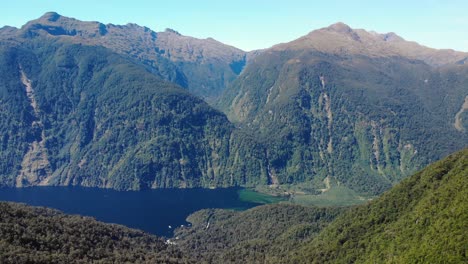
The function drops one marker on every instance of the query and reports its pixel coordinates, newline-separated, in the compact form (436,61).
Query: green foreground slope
(39,235)
(422,220)
(263,234)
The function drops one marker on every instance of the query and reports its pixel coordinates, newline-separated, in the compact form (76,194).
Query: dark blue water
(150,210)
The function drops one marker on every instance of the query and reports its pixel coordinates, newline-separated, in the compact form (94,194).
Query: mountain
(353,108)
(340,39)
(75,114)
(424,219)
(41,235)
(203,66)
(83,103)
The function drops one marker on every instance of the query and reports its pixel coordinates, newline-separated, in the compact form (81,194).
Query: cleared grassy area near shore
(250,195)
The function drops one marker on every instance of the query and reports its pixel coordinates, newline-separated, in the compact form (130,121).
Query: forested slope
(421,220)
(351,107)
(72,114)
(40,235)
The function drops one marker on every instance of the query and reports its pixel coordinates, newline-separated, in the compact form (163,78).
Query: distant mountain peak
(170,30)
(391,36)
(341,39)
(50,16)
(52,23)
(342,29)
(339,27)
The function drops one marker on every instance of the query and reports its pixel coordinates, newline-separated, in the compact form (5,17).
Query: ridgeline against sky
(258,24)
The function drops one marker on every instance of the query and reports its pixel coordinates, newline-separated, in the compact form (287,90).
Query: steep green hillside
(344,106)
(263,234)
(203,66)
(81,115)
(39,235)
(422,220)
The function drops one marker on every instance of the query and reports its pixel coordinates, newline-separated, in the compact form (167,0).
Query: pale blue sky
(256,24)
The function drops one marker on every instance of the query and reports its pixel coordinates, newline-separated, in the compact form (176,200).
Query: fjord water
(150,210)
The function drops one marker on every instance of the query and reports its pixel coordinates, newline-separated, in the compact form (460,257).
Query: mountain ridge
(340,38)
(204,66)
